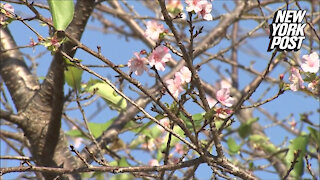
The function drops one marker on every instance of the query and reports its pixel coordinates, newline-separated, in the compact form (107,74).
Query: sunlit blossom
(293,124)
(180,78)
(202,7)
(6,11)
(149,145)
(174,7)
(315,87)
(173,160)
(153,30)
(54,42)
(225,83)
(193,5)
(175,86)
(159,57)
(223,113)
(296,79)
(310,63)
(153,162)
(223,96)
(312,85)
(138,64)
(77,141)
(165,122)
(185,74)
(206,8)
(178,148)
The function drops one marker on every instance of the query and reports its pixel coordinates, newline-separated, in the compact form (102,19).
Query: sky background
(119,50)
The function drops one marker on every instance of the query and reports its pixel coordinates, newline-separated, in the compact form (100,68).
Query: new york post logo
(286,30)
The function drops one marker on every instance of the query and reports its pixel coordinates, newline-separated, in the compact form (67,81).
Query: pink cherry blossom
(174,6)
(312,85)
(8,11)
(77,141)
(153,162)
(206,8)
(149,145)
(55,43)
(153,30)
(175,86)
(173,160)
(178,148)
(293,124)
(185,74)
(159,57)
(164,122)
(223,96)
(223,113)
(138,64)
(310,63)
(180,78)
(193,5)
(225,83)
(296,79)
(202,7)
(315,87)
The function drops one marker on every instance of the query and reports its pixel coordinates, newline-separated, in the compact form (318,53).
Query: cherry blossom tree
(196,95)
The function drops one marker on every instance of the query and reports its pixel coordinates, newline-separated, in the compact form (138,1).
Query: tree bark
(41,106)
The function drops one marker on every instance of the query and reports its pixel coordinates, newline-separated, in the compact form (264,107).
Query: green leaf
(245,128)
(136,142)
(62,13)
(123,162)
(218,124)
(122,176)
(256,138)
(105,91)
(251,166)
(159,155)
(299,143)
(96,128)
(75,133)
(98,175)
(196,118)
(315,135)
(73,75)
(113,163)
(234,148)
(208,115)
(263,142)
(142,128)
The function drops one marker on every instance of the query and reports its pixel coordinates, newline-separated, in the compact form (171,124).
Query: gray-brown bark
(41,105)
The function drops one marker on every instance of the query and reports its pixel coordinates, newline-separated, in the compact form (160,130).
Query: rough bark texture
(42,105)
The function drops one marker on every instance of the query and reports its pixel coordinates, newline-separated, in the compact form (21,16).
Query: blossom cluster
(180,78)
(6,10)
(202,7)
(174,7)
(310,65)
(199,7)
(222,95)
(158,58)
(154,30)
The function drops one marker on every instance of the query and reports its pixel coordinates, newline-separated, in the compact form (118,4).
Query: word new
(286,30)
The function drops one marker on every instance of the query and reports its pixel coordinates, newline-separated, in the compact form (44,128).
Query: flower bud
(281,76)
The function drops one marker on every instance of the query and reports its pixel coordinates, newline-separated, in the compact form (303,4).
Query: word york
(287,30)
